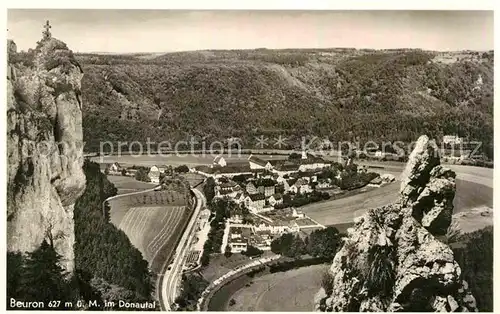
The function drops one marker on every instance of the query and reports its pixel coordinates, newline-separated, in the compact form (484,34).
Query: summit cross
(46,32)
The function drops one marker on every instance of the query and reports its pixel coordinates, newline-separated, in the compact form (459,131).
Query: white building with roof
(452,139)
(154,174)
(258,163)
(219,161)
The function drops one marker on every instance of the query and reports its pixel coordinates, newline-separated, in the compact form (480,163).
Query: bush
(379,278)
(209,189)
(288,245)
(205,259)
(296,263)
(252,251)
(303,199)
(327,282)
(324,242)
(182,169)
(191,289)
(142,175)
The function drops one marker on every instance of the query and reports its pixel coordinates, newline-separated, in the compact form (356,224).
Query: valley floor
(272,292)
(340,211)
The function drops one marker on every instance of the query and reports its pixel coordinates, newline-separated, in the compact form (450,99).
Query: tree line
(322,243)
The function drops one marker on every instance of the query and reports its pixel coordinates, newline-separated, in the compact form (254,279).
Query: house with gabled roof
(324,184)
(275,199)
(154,174)
(286,167)
(113,168)
(300,186)
(266,190)
(251,188)
(309,161)
(255,201)
(227,187)
(258,163)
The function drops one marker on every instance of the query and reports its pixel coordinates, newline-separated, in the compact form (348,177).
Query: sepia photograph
(249,160)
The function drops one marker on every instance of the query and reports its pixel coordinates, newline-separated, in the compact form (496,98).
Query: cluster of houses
(261,185)
(264,183)
(115,168)
(238,236)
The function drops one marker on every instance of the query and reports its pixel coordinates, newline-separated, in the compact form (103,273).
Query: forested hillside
(344,94)
(104,256)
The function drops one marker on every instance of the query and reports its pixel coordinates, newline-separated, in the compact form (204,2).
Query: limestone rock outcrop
(44,147)
(395,258)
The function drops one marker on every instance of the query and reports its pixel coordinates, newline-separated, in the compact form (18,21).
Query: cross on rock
(46,32)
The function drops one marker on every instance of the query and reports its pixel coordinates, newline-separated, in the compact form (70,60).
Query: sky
(127,31)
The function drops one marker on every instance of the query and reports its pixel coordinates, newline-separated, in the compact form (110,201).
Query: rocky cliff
(44,147)
(395,258)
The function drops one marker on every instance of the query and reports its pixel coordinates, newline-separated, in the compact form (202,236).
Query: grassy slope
(296,92)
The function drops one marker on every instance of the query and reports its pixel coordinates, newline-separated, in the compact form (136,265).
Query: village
(266,193)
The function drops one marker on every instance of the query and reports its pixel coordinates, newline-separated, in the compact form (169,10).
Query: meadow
(288,291)
(153,221)
(126,184)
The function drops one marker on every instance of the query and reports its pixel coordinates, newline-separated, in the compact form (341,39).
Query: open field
(347,208)
(153,221)
(469,195)
(126,184)
(193,178)
(293,290)
(474,219)
(479,175)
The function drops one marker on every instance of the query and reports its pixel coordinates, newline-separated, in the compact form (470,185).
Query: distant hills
(343,94)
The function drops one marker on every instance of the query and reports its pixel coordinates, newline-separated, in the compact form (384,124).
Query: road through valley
(171,277)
